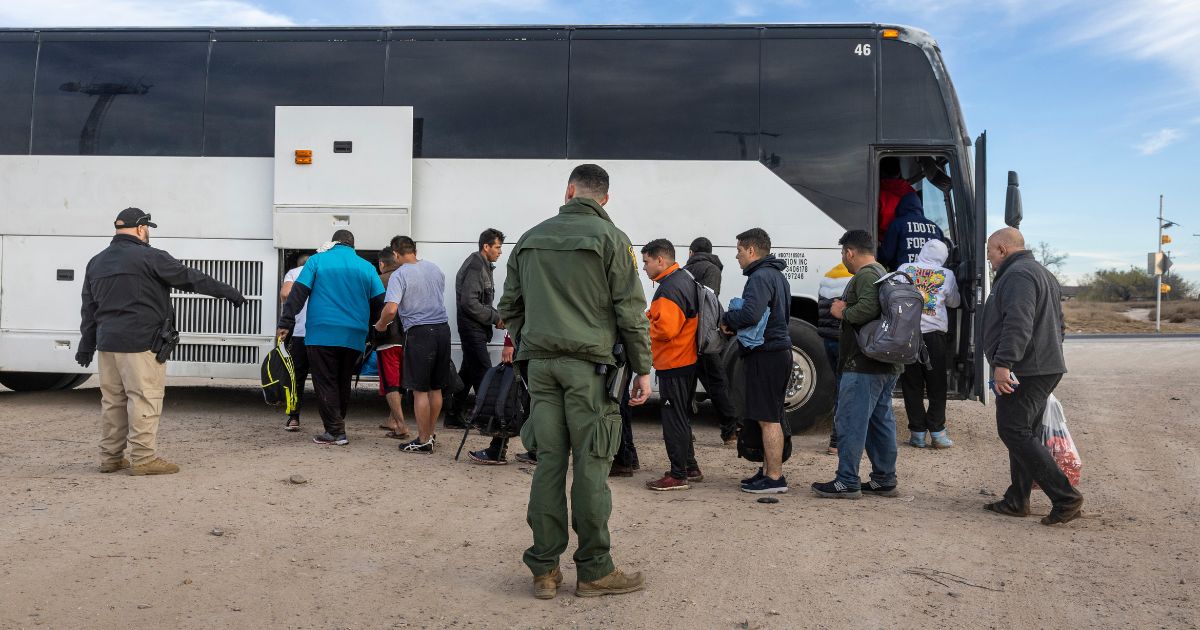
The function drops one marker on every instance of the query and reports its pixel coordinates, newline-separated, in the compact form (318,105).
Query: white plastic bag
(1057,438)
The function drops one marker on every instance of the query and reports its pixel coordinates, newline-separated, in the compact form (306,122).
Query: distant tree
(1051,259)
(1114,285)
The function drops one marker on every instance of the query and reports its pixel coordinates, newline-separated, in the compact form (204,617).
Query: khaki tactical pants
(132,385)
(571,418)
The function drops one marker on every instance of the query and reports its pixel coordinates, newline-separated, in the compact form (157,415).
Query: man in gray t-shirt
(415,295)
(417,289)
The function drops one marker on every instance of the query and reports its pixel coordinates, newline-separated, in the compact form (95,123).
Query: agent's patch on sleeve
(633,257)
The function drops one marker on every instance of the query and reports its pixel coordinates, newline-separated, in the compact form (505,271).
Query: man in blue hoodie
(907,233)
(767,365)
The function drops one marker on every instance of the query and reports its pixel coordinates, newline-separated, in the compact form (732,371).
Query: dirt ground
(377,539)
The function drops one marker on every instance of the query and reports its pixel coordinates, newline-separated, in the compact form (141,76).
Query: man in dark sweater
(1023,332)
(766,304)
(706,268)
(864,418)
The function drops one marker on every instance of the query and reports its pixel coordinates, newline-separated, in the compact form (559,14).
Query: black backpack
(279,379)
(501,403)
(750,443)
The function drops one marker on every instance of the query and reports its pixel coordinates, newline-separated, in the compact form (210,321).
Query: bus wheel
(810,393)
(41,381)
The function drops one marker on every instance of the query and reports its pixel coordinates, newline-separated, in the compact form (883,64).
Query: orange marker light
(890,33)
(304,156)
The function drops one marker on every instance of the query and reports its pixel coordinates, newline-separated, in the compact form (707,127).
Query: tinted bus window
(16,84)
(819,121)
(119,98)
(913,107)
(664,99)
(497,99)
(246,80)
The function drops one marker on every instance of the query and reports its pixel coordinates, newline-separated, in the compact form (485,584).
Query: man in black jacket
(706,268)
(475,291)
(767,361)
(126,309)
(1023,332)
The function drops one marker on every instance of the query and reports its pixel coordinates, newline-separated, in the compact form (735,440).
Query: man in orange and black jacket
(673,320)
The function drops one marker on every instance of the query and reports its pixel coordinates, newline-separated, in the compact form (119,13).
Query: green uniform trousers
(571,418)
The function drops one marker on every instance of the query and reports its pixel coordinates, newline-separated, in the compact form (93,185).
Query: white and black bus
(248,145)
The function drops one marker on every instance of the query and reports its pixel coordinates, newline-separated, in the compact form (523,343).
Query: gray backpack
(709,338)
(896,336)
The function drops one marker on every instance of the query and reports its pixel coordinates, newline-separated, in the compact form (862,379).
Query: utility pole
(1158,285)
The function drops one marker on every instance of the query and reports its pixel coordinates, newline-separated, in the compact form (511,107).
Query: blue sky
(1095,102)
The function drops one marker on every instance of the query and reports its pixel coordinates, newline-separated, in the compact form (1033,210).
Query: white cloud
(1155,30)
(90,13)
(1156,141)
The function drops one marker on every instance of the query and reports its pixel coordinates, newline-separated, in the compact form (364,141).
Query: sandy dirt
(378,539)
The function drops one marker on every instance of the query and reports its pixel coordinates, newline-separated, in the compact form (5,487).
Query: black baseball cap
(133,217)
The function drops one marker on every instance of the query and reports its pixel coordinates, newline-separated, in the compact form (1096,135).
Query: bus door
(981,282)
(942,179)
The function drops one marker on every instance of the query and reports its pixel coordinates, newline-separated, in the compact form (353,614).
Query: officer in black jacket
(126,313)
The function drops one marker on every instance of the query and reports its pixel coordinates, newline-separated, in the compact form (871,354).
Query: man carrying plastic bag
(1022,335)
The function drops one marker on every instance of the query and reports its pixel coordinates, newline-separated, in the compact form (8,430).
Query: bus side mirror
(1012,201)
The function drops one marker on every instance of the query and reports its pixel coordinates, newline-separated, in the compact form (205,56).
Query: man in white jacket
(940,290)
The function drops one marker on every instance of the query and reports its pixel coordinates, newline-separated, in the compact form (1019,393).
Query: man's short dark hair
(489,236)
(756,238)
(345,237)
(659,247)
(589,178)
(889,168)
(701,245)
(387,254)
(403,246)
(859,241)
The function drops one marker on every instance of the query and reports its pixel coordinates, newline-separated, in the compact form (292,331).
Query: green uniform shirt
(572,290)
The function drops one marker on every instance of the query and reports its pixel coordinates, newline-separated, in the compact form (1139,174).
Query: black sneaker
(487,458)
(325,439)
(836,490)
(766,485)
(528,457)
(873,487)
(758,475)
(417,446)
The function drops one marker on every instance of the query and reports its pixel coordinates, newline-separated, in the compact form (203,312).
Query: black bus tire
(810,388)
(41,381)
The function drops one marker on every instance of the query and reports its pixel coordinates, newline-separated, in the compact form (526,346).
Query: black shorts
(427,357)
(766,376)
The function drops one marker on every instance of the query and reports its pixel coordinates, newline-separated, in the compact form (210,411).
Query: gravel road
(378,539)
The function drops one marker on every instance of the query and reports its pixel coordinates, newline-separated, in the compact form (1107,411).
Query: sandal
(398,436)
(293,424)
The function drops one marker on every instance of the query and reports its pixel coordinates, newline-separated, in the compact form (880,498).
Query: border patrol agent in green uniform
(572,293)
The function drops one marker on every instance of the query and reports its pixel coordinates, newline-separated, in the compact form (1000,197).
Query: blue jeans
(865,420)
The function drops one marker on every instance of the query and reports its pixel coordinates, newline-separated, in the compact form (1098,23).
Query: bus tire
(810,397)
(41,381)
(811,390)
